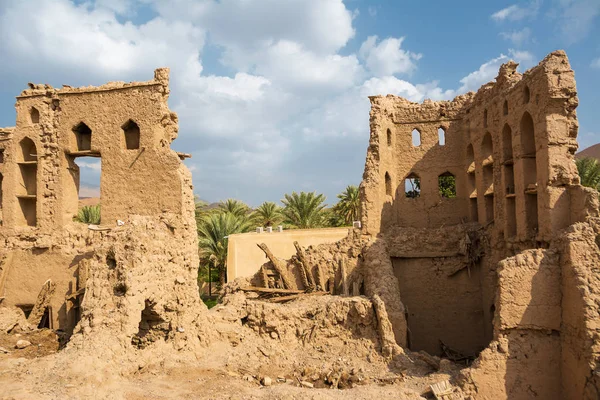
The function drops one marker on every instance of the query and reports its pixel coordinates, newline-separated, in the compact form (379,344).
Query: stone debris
(21,344)
(266,381)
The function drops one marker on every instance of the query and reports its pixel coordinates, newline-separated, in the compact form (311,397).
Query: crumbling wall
(127,282)
(510,148)
(580,343)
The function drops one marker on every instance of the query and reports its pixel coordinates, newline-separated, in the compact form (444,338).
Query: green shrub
(210,303)
(89,215)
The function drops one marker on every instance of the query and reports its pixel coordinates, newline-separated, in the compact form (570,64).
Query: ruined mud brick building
(143,183)
(508,253)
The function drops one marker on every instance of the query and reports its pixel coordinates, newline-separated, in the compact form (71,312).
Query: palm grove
(304,210)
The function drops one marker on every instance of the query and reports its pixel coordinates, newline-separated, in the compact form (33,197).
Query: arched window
(416,138)
(526,95)
(441,136)
(447,185)
(485,118)
(131,131)
(389,137)
(528,156)
(28,150)
(388,184)
(83,136)
(505,108)
(412,186)
(35,115)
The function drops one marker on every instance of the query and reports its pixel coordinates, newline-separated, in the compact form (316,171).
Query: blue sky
(272,94)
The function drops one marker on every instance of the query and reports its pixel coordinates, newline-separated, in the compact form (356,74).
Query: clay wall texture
(503,263)
(144,184)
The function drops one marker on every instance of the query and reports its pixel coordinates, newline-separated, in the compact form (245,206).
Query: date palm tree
(304,210)
(589,172)
(235,207)
(213,232)
(348,206)
(267,214)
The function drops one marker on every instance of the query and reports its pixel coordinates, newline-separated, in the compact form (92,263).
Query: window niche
(508,175)
(83,137)
(485,118)
(389,137)
(27,187)
(34,115)
(529,167)
(447,185)
(526,94)
(441,136)
(505,108)
(388,184)
(416,138)
(131,132)
(412,186)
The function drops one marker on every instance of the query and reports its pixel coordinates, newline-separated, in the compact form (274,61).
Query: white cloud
(291,65)
(518,38)
(372,11)
(489,70)
(516,12)
(286,82)
(93,166)
(387,57)
(92,40)
(595,63)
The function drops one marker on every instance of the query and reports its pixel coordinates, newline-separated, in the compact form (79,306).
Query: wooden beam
(280,267)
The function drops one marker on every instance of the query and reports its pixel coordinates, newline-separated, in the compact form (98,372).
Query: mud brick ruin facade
(477,244)
(130,128)
(492,263)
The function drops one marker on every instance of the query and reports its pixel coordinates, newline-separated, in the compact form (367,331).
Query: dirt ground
(304,348)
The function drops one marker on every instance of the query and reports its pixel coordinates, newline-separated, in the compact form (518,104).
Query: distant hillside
(88,201)
(592,151)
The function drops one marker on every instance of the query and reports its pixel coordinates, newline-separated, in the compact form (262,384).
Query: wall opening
(34,114)
(388,184)
(528,155)
(389,137)
(451,314)
(526,94)
(471,183)
(507,151)
(487,151)
(46,320)
(83,137)
(416,138)
(441,136)
(1,156)
(485,118)
(489,208)
(505,108)
(473,209)
(412,186)
(447,185)
(152,326)
(87,176)
(27,187)
(131,131)
(510,228)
